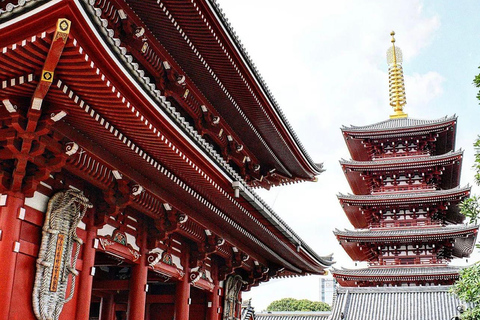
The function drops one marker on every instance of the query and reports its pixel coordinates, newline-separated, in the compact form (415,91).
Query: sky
(325,63)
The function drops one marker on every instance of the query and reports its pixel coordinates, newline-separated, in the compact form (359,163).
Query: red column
(10,226)
(85,280)
(182,293)
(213,297)
(138,296)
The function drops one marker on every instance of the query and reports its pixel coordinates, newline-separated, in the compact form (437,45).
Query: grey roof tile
(398,271)
(404,123)
(438,231)
(411,196)
(395,303)
(403,161)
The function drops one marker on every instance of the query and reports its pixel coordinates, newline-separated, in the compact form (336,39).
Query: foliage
(476,166)
(291,304)
(470,208)
(476,82)
(467,288)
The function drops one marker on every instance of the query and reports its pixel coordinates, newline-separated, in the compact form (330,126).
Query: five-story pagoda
(404,175)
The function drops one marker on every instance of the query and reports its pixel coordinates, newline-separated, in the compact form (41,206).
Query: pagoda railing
(406,260)
(397,223)
(407,188)
(387,155)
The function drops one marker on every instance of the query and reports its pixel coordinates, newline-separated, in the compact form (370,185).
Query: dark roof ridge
(398,124)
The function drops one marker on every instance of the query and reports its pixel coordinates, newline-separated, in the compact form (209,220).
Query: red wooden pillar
(10,226)
(182,293)
(86,279)
(213,297)
(108,308)
(138,295)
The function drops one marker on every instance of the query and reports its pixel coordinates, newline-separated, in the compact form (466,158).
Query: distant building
(326,290)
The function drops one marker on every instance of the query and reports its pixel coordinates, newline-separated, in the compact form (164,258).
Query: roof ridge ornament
(395,80)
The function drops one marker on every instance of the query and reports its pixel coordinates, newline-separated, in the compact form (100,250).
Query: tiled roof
(396,197)
(248,312)
(395,303)
(434,232)
(410,232)
(293,315)
(406,123)
(403,161)
(398,271)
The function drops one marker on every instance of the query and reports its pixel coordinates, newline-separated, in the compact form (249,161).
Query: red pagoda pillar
(86,276)
(182,294)
(138,294)
(9,245)
(213,297)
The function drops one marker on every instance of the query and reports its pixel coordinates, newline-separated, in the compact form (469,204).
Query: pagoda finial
(395,80)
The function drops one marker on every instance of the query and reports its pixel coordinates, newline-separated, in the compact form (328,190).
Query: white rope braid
(55,259)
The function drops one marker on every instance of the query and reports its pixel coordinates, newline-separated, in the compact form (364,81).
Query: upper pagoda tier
(404,209)
(401,137)
(400,275)
(420,245)
(404,174)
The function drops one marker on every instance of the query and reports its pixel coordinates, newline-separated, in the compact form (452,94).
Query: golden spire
(395,80)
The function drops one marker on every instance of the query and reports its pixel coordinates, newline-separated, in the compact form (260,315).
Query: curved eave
(195,35)
(354,136)
(353,204)
(400,126)
(355,169)
(456,194)
(262,86)
(410,234)
(400,271)
(348,277)
(107,128)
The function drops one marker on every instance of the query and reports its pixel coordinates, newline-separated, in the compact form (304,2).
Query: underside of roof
(197,36)
(441,132)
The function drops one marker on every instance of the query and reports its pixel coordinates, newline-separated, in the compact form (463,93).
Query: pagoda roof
(463,236)
(401,125)
(353,169)
(407,234)
(397,271)
(353,204)
(457,193)
(395,303)
(401,163)
(443,128)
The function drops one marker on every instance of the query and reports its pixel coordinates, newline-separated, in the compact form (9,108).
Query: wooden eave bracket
(56,48)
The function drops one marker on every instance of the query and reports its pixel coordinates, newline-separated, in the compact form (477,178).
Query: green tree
(467,288)
(291,304)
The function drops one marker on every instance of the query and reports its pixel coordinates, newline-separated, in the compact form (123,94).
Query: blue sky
(325,63)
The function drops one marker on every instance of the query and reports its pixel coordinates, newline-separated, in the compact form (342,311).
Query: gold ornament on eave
(395,80)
